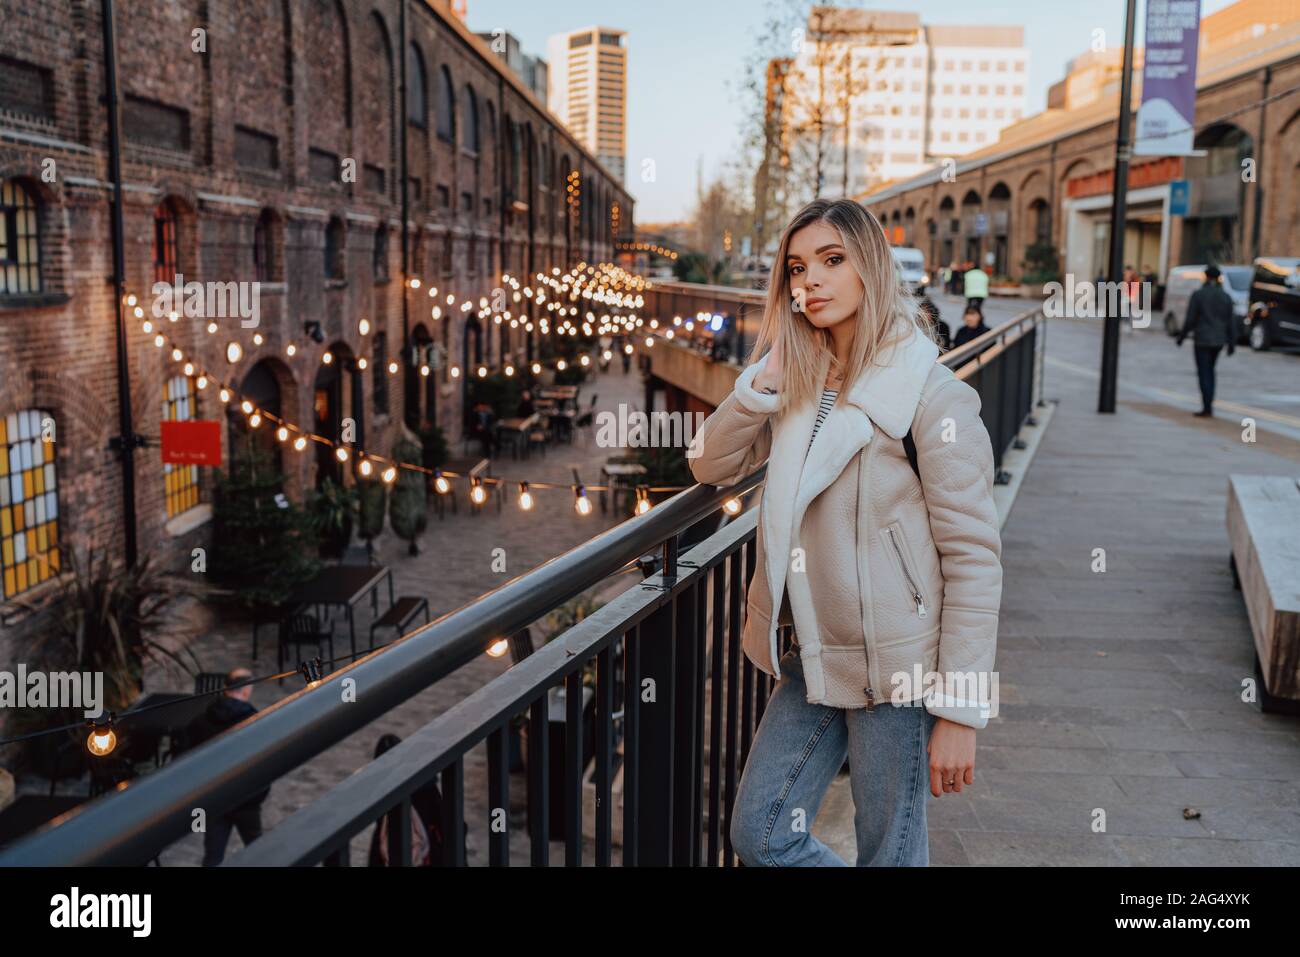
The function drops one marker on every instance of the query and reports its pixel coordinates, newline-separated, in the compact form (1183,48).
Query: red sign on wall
(197,442)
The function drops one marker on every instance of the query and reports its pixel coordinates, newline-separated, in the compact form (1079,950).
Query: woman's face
(823,284)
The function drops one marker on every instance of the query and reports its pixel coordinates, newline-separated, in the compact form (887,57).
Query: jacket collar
(889,394)
(884,397)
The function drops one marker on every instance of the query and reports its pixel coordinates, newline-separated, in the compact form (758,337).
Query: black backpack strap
(909,446)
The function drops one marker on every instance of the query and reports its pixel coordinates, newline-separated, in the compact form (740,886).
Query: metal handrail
(134,824)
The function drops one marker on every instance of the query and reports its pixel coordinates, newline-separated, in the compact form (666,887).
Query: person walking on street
(1212,323)
(977,286)
(229,709)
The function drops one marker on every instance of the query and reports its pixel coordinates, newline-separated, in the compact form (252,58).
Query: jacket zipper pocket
(902,563)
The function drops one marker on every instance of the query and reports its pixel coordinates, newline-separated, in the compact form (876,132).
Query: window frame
(28,423)
(180,404)
(17,199)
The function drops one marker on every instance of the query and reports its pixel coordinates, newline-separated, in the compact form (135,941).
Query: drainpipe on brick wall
(127,442)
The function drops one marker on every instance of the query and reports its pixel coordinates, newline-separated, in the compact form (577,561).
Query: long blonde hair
(887,314)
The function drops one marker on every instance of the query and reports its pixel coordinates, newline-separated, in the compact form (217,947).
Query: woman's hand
(952,756)
(770,377)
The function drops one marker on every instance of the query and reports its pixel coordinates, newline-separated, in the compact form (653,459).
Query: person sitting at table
(228,709)
(484,427)
(526,407)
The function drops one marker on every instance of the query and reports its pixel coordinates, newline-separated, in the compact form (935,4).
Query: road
(1262,385)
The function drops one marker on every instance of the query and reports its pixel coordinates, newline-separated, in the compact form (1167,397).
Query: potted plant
(372,501)
(407,505)
(1003,285)
(110,619)
(333,508)
(263,544)
(1041,267)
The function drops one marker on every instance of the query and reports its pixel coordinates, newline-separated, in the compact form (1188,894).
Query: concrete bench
(1264,531)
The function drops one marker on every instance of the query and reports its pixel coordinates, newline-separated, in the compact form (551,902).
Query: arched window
(263,247)
(491,119)
(446,106)
(180,482)
(334,249)
(417,87)
(164,242)
(471,119)
(20,247)
(29,504)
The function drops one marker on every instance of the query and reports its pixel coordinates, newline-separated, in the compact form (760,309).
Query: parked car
(1275,303)
(911,264)
(1185,280)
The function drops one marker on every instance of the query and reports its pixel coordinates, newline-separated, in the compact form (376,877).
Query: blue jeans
(797,751)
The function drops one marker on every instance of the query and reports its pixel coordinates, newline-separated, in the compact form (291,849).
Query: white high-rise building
(883,94)
(588,91)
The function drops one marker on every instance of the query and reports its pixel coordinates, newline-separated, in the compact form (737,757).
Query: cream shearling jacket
(886,580)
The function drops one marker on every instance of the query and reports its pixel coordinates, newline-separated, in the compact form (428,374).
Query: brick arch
(1282,188)
(327,54)
(377,99)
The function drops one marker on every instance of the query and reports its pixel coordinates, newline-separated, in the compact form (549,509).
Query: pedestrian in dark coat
(1212,323)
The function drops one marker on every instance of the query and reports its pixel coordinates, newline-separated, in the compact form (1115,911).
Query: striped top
(828,399)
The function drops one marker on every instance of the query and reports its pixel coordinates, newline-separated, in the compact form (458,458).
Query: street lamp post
(1118,215)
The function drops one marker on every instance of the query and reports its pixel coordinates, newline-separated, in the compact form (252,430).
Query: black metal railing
(670,683)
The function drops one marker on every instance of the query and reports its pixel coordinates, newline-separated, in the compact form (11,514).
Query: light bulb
(341,454)
(282,433)
(300,443)
(101,741)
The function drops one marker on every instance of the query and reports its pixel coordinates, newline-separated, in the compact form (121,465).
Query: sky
(687,103)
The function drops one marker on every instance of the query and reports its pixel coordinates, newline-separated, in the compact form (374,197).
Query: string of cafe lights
(604,284)
(655,248)
(102,739)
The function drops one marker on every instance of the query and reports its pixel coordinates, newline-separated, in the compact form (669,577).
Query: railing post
(655,726)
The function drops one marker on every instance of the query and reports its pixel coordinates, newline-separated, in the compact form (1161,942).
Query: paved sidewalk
(1121,692)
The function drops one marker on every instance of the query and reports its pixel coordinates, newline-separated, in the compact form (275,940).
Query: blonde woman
(889,574)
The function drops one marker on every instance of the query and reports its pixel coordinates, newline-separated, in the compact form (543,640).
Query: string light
(525,497)
(498,648)
(581,504)
(102,739)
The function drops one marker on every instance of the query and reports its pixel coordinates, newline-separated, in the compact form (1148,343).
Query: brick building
(242,124)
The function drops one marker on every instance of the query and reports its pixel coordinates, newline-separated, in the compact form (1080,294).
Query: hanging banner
(1168,110)
(195,442)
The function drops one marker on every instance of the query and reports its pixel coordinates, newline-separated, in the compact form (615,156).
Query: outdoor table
(519,427)
(615,474)
(345,586)
(159,722)
(30,811)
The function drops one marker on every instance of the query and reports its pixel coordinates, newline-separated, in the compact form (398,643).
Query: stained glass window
(29,504)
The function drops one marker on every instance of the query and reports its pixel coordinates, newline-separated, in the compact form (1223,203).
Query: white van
(1185,280)
(911,265)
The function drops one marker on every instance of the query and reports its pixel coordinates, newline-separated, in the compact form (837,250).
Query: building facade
(265,146)
(1043,191)
(588,91)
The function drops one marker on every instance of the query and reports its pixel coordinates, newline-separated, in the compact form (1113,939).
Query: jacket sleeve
(1193,315)
(957,479)
(737,437)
